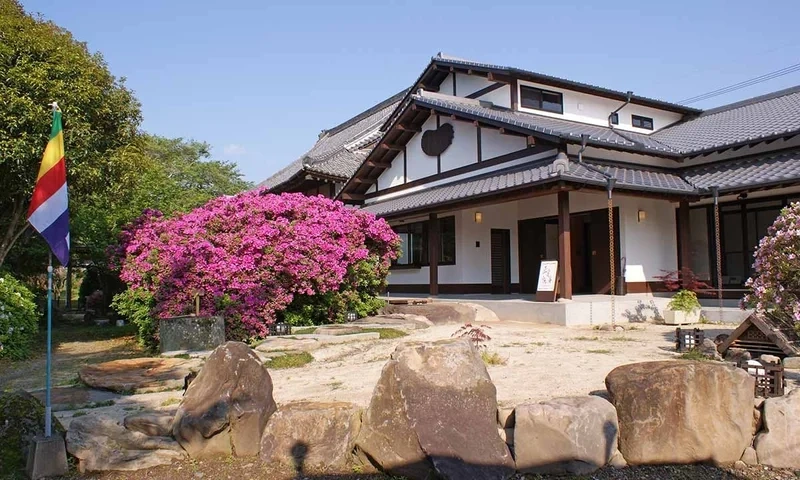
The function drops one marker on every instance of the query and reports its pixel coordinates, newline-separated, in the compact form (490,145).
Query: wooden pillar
(684,242)
(434,244)
(564,246)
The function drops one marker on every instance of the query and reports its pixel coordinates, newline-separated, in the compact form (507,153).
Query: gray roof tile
(750,120)
(339,151)
(764,170)
(557,127)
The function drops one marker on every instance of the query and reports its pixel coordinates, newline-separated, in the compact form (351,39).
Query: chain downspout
(611,260)
(718,242)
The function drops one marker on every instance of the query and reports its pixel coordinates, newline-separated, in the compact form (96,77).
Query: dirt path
(73,347)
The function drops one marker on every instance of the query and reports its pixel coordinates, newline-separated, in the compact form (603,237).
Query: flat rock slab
(139,375)
(307,343)
(438,313)
(319,435)
(102,443)
(398,320)
(78,396)
(152,424)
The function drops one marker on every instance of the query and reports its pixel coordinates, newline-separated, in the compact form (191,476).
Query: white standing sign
(548,273)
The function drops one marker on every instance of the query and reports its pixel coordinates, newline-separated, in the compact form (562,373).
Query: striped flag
(48,213)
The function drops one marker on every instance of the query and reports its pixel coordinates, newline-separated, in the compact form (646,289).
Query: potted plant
(682,308)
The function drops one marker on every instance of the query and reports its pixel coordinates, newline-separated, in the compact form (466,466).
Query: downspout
(627,101)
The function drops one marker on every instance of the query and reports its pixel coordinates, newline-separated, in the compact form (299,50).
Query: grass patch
(693,354)
(586,339)
(304,330)
(91,333)
(290,360)
(622,338)
(79,413)
(385,333)
(492,358)
(182,356)
(603,351)
(335,385)
(170,401)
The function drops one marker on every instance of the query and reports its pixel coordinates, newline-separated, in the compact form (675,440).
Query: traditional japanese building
(485,171)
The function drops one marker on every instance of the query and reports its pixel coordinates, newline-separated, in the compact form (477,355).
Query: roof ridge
(366,113)
(751,101)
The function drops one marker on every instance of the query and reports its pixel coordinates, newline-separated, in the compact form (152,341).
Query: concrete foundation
(47,457)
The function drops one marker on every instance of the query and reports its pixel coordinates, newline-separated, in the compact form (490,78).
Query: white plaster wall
(419,164)
(595,110)
(650,246)
(476,262)
(393,175)
(446,86)
(494,144)
(469,84)
(500,97)
(627,157)
(464,150)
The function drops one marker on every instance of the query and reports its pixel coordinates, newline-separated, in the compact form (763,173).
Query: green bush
(684,301)
(18,318)
(136,304)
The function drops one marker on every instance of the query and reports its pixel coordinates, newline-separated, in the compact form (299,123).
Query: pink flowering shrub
(255,257)
(776,282)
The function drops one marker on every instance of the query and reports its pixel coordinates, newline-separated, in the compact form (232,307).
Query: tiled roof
(339,151)
(533,173)
(764,170)
(455,61)
(750,120)
(564,129)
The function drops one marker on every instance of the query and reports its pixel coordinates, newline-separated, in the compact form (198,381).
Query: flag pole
(48,428)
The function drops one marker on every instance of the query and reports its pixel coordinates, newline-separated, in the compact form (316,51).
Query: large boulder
(153,424)
(102,443)
(434,412)
(682,412)
(139,375)
(21,419)
(315,435)
(575,435)
(226,407)
(779,443)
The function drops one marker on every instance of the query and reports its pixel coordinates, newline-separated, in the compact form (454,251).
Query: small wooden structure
(764,334)
(686,339)
(769,377)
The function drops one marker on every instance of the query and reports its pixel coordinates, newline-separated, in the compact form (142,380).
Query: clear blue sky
(258,80)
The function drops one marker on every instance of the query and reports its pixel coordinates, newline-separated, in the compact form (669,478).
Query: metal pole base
(47,457)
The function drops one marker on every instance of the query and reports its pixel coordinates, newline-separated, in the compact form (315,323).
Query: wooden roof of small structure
(760,334)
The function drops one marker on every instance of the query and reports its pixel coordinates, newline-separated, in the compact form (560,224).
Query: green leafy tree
(41,62)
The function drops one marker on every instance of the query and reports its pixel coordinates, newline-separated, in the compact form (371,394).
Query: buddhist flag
(48,213)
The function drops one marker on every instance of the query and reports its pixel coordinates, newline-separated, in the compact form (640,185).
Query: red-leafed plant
(682,279)
(476,334)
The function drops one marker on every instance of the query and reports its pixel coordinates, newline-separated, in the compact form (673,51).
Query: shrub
(135,304)
(684,301)
(675,280)
(257,258)
(475,334)
(775,282)
(18,318)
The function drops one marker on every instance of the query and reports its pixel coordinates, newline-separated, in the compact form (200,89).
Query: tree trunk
(16,227)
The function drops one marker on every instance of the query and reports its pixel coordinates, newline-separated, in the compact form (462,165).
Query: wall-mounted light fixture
(642,216)
(478,217)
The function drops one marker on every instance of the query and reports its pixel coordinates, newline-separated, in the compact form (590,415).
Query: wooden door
(599,250)
(501,261)
(532,248)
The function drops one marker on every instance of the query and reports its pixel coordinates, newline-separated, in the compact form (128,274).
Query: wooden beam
(564,245)
(363,181)
(684,241)
(373,164)
(408,128)
(392,146)
(353,197)
(433,252)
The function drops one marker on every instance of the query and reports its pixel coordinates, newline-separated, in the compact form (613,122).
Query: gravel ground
(255,469)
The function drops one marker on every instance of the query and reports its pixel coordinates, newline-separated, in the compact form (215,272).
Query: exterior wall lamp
(641,216)
(478,217)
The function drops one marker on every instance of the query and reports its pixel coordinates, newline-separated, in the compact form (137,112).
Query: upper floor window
(539,99)
(642,122)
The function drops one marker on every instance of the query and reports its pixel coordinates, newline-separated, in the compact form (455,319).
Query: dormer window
(539,99)
(642,122)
